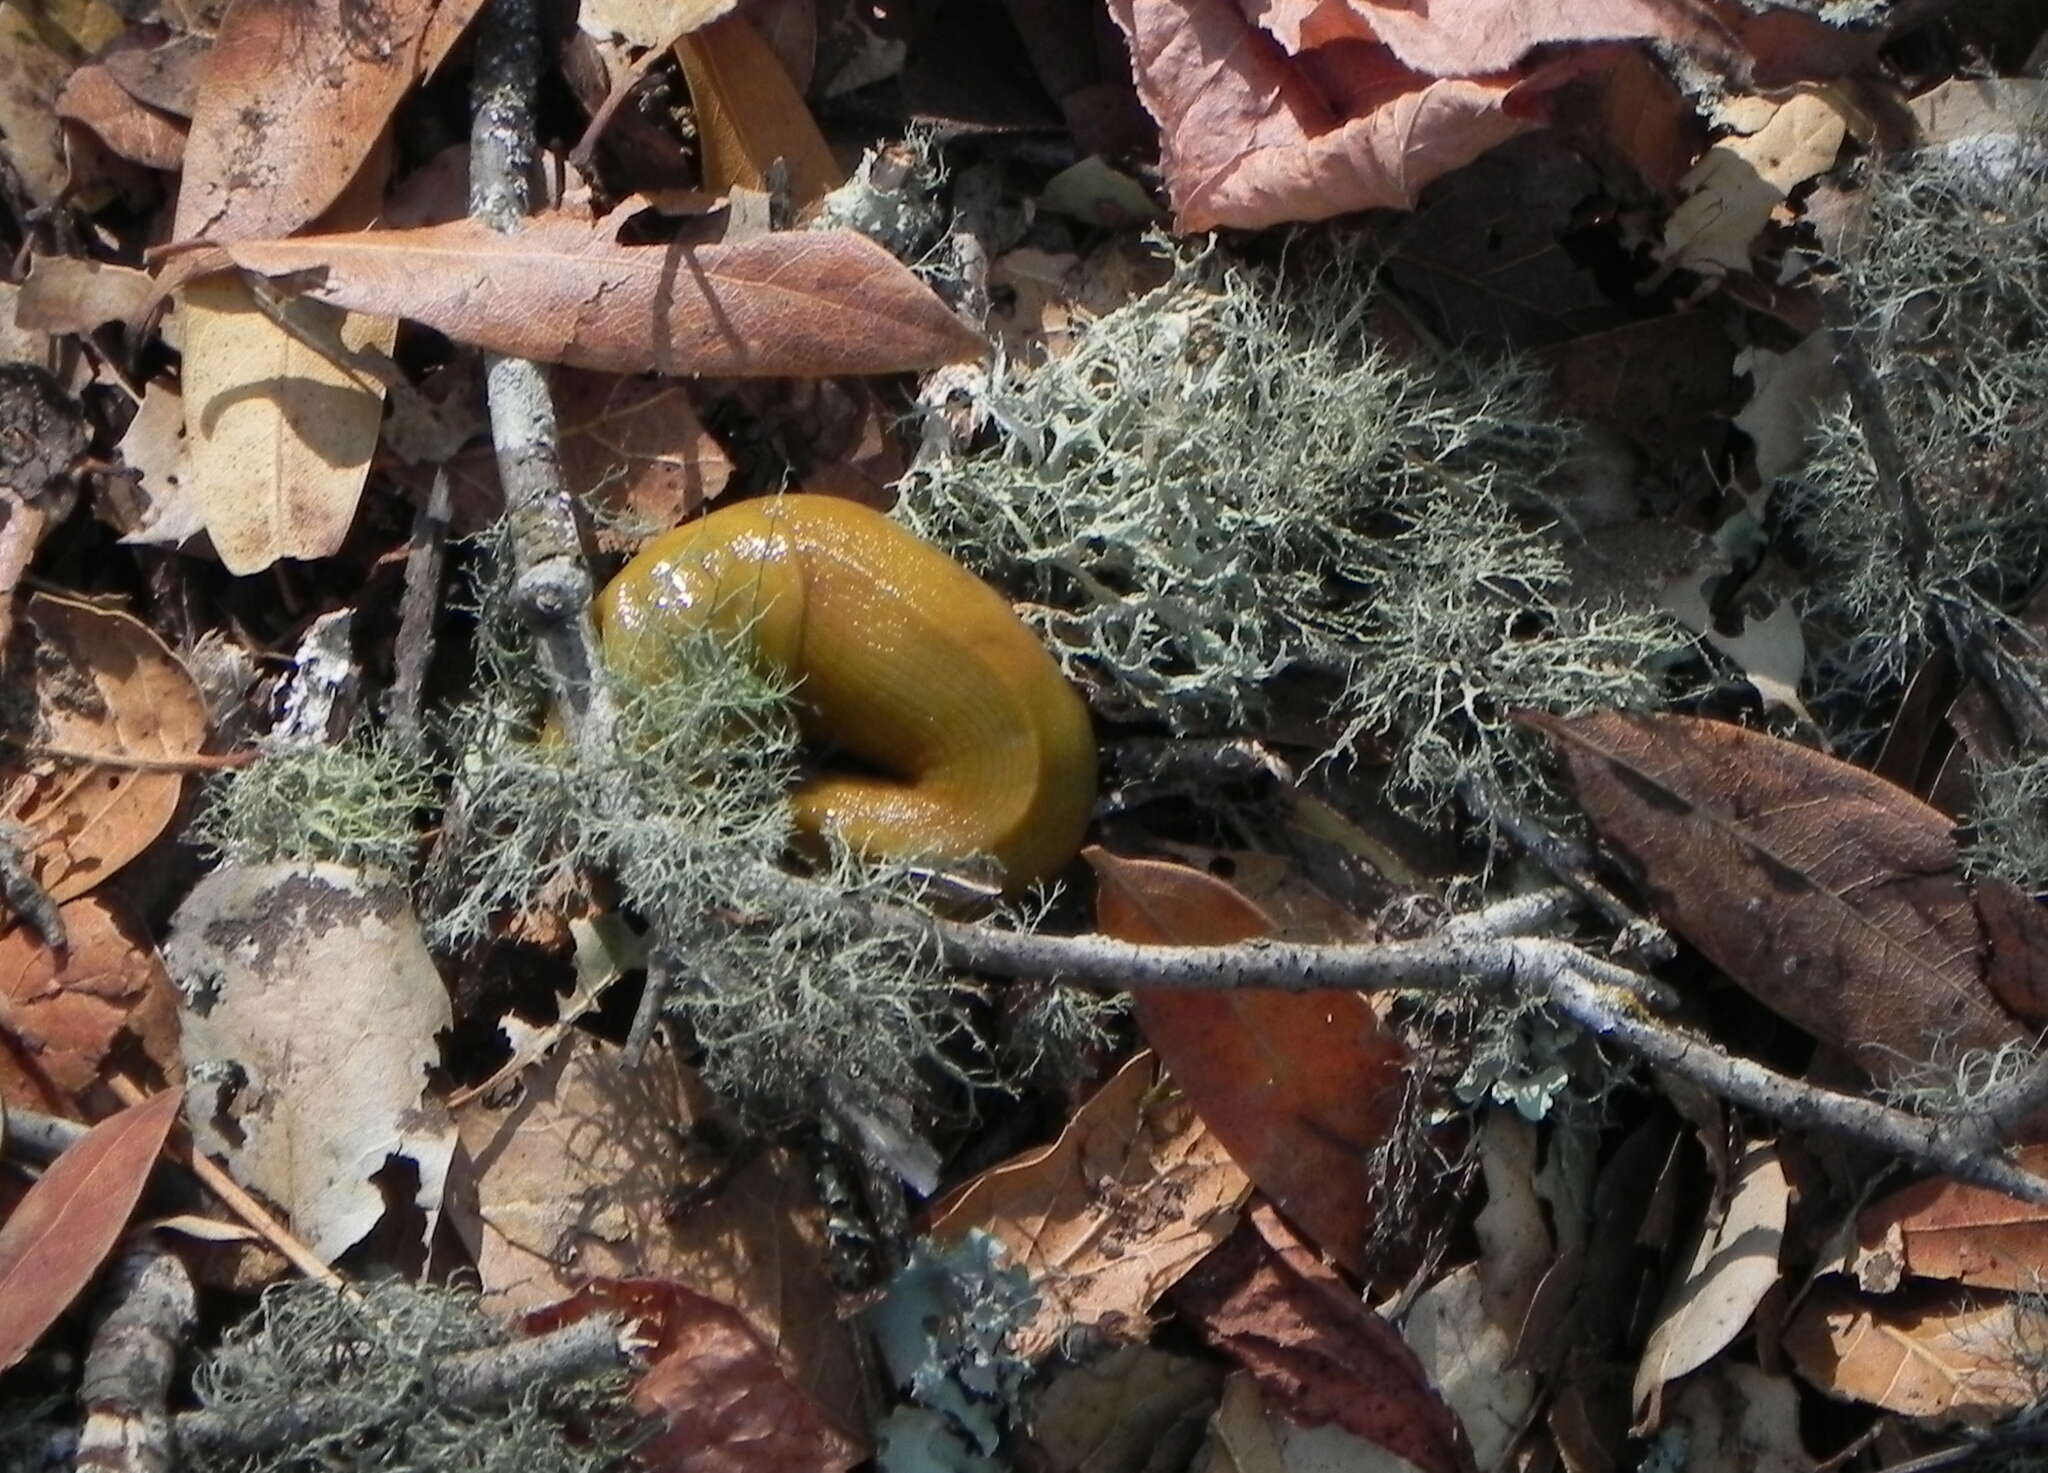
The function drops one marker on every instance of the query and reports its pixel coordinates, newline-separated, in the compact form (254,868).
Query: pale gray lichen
(2008,829)
(1944,269)
(685,810)
(370,1352)
(1230,480)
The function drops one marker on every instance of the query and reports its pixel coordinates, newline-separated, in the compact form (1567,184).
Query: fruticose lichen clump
(1230,480)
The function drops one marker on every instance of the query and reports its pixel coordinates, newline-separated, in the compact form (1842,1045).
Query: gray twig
(127,1380)
(417,613)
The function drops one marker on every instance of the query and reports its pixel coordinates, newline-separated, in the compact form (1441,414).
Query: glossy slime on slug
(904,659)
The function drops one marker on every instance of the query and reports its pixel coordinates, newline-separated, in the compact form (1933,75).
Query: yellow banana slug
(976,744)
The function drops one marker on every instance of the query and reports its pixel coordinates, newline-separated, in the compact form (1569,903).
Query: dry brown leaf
(61,1014)
(1108,1217)
(631,446)
(154,506)
(721,1401)
(749,114)
(103,683)
(53,1243)
(293,98)
(73,294)
(1738,1419)
(1947,1230)
(1320,1355)
(1942,1357)
(562,290)
(1828,894)
(278,434)
(580,1177)
(93,100)
(1247,139)
(1300,1088)
(312,1013)
(159,67)
(1734,1263)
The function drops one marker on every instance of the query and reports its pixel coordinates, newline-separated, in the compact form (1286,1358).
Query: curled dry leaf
(61,1014)
(1947,1230)
(1827,893)
(1942,1357)
(1108,1217)
(102,683)
(94,100)
(1301,1088)
(1248,138)
(1320,1355)
(55,1240)
(563,290)
(1733,1265)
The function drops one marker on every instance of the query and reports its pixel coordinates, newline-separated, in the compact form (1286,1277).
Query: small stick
(238,1201)
(126,1385)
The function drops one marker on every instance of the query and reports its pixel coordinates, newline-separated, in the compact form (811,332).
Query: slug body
(971,740)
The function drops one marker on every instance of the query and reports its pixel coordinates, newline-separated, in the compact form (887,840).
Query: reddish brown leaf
(1320,1355)
(60,1014)
(95,101)
(1299,1087)
(562,290)
(1830,895)
(1970,1234)
(56,1239)
(724,1403)
(1939,1356)
(1249,138)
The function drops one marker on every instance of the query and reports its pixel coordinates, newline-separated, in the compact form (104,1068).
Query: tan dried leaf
(1942,1357)
(749,114)
(1108,1217)
(562,290)
(94,100)
(103,684)
(1948,1230)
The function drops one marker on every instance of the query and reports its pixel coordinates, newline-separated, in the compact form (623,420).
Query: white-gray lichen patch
(1230,479)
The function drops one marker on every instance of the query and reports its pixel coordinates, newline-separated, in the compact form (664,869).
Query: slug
(971,740)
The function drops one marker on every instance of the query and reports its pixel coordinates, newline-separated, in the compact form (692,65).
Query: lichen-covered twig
(1492,949)
(551,585)
(151,1311)
(472,1379)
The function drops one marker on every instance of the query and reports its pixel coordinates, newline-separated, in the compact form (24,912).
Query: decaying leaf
(1827,893)
(103,684)
(1739,1419)
(92,99)
(721,1401)
(1301,1088)
(1108,1217)
(580,1176)
(54,1241)
(1320,1355)
(1948,1230)
(312,1009)
(1939,1356)
(1734,1262)
(60,1014)
(73,294)
(562,290)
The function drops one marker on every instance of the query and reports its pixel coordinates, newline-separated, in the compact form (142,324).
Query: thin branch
(551,586)
(417,613)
